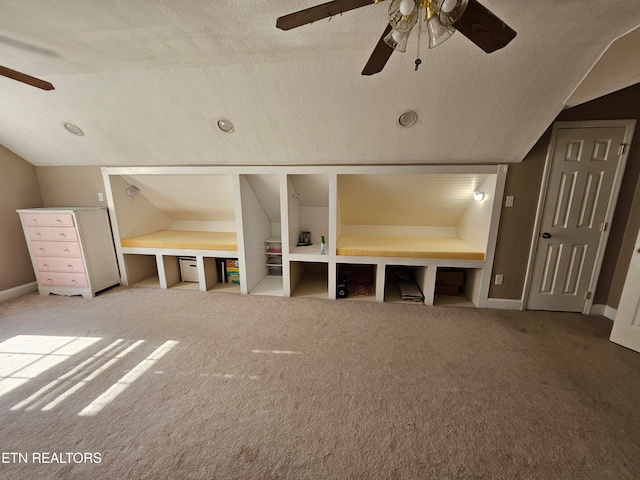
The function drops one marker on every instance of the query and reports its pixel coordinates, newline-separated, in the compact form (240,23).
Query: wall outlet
(499,279)
(508,201)
(100,197)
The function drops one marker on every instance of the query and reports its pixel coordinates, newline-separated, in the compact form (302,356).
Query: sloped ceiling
(433,200)
(618,68)
(147,79)
(188,197)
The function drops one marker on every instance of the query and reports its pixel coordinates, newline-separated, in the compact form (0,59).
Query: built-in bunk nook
(419,234)
(165,223)
(408,226)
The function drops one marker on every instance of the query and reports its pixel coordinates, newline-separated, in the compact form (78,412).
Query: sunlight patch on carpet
(121,385)
(24,357)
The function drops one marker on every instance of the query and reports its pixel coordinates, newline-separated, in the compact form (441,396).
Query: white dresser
(71,249)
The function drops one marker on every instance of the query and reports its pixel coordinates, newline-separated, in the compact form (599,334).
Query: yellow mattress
(184,240)
(415,247)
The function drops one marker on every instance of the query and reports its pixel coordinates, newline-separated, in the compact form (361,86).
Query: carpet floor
(166,384)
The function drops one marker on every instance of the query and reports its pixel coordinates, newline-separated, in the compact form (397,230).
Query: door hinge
(604,226)
(587,295)
(622,149)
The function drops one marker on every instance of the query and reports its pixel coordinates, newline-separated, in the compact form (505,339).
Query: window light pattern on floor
(24,357)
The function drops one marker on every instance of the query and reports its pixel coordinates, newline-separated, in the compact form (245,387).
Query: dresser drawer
(59,279)
(59,249)
(64,233)
(39,233)
(50,219)
(48,264)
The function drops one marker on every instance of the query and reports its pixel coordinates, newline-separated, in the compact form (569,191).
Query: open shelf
(360,280)
(457,286)
(309,279)
(269,285)
(308,211)
(396,273)
(149,282)
(453,301)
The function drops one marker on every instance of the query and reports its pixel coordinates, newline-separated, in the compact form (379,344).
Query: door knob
(546,235)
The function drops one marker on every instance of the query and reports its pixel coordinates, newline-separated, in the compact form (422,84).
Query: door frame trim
(615,190)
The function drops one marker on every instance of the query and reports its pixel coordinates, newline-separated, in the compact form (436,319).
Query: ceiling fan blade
(380,55)
(319,12)
(483,28)
(24,78)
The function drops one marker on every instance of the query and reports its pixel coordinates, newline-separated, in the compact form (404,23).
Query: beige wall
(71,186)
(18,189)
(524,181)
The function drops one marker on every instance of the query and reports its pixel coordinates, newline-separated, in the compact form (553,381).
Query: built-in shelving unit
(377,221)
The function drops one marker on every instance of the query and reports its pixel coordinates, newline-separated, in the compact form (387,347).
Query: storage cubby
(309,279)
(262,227)
(458,287)
(359,280)
(142,270)
(405,284)
(308,212)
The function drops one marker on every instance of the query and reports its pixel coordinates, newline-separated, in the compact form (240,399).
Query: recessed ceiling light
(73,129)
(408,118)
(225,125)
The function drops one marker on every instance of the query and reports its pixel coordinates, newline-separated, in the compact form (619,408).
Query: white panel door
(580,189)
(626,328)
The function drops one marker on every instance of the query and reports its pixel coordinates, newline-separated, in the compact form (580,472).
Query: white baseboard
(604,310)
(504,303)
(18,291)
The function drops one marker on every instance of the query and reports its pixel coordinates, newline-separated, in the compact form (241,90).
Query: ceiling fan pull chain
(418,61)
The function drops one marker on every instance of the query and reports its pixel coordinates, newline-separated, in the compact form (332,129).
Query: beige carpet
(275,388)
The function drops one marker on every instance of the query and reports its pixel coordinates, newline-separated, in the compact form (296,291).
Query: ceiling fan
(442,17)
(24,78)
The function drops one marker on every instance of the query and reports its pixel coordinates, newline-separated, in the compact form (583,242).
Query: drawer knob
(59,220)
(34,220)
(41,249)
(38,234)
(69,266)
(45,265)
(49,280)
(62,234)
(66,250)
(74,281)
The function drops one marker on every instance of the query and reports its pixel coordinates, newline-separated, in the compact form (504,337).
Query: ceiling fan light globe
(448,5)
(400,21)
(397,40)
(450,11)
(438,33)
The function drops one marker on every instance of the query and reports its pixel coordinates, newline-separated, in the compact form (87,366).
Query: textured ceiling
(147,79)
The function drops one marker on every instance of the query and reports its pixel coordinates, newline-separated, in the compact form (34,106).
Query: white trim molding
(504,303)
(18,291)
(604,311)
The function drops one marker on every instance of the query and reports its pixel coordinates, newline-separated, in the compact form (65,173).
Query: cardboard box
(447,290)
(450,277)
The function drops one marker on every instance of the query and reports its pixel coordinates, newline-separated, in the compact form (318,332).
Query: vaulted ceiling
(146,80)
